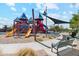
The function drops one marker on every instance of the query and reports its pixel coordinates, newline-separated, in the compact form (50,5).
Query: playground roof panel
(30,20)
(40,17)
(56,21)
(17,19)
(23,17)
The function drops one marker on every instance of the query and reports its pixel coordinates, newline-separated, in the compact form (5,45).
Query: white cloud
(5,21)
(67,13)
(64,12)
(42,6)
(17,14)
(54,15)
(13,9)
(75,5)
(71,5)
(64,17)
(23,9)
(39,5)
(20,14)
(10,4)
(51,6)
(70,12)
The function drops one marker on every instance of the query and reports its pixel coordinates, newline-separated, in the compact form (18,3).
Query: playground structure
(28,26)
(22,25)
(40,26)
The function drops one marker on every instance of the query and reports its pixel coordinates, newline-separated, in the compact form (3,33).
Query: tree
(59,29)
(56,28)
(5,28)
(74,22)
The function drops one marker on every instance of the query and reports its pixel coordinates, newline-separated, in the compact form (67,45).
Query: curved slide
(28,32)
(9,34)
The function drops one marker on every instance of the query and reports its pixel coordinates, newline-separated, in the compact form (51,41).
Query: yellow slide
(28,32)
(9,34)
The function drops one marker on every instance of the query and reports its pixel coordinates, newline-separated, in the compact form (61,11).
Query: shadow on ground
(69,52)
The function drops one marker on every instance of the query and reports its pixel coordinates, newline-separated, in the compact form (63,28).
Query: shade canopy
(56,21)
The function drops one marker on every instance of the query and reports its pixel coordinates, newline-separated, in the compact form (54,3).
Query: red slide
(40,24)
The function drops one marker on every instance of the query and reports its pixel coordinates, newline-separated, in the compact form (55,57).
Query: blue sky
(62,11)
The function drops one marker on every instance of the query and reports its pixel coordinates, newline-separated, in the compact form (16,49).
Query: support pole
(46,21)
(54,26)
(34,30)
(13,27)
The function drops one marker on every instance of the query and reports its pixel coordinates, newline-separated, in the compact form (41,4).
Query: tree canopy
(74,22)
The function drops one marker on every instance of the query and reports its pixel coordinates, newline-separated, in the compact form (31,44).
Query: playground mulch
(22,39)
(40,37)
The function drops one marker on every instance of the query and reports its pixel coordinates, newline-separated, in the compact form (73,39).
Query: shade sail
(56,21)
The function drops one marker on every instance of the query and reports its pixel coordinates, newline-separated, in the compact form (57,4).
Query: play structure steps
(28,32)
(9,34)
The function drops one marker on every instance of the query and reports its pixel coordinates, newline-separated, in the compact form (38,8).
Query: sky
(62,11)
